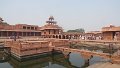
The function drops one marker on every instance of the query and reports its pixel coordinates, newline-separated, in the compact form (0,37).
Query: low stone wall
(23,48)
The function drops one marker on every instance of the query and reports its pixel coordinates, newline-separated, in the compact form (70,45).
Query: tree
(81,30)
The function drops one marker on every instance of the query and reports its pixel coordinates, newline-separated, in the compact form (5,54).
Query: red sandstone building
(49,30)
(7,30)
(111,33)
(52,30)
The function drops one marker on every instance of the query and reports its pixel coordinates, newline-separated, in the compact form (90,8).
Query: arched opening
(53,36)
(56,36)
(67,37)
(59,36)
(63,37)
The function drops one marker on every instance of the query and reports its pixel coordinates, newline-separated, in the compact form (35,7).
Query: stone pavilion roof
(49,26)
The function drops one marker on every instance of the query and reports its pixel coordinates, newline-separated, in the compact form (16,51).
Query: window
(24,27)
(28,27)
(32,28)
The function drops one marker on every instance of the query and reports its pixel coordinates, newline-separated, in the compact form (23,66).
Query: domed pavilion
(51,29)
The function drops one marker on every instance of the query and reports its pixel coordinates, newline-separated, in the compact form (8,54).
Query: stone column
(7,33)
(61,36)
(65,36)
(0,33)
(58,36)
(25,33)
(53,31)
(34,33)
(17,33)
(30,34)
(22,33)
(48,31)
(57,32)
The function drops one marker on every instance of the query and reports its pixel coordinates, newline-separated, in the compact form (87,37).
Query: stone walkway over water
(88,54)
(30,47)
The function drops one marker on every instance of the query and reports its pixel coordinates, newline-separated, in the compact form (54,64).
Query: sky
(91,15)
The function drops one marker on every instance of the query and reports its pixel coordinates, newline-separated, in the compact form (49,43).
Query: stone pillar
(34,33)
(65,36)
(30,34)
(61,36)
(17,33)
(54,32)
(7,33)
(25,33)
(58,36)
(0,33)
(58,31)
(49,31)
(22,33)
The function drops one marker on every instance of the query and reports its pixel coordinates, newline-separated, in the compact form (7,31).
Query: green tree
(81,30)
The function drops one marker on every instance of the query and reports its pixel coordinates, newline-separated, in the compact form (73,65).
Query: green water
(74,60)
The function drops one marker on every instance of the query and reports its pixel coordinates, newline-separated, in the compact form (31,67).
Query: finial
(51,18)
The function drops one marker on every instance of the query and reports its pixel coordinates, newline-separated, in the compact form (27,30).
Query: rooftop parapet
(111,28)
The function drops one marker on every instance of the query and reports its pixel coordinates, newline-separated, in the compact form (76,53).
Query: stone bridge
(88,54)
(66,51)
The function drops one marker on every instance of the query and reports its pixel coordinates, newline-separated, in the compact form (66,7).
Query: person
(14,38)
